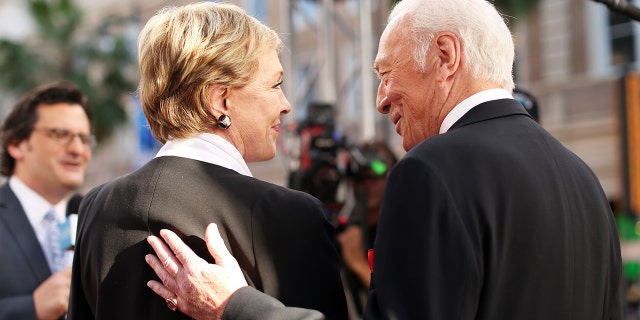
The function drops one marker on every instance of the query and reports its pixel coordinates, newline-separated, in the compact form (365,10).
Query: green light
(378,167)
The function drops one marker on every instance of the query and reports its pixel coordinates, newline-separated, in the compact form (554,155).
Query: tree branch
(622,6)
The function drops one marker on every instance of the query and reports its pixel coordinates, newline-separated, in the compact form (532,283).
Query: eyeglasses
(64,137)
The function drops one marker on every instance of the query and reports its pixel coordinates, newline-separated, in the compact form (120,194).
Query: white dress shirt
(469,103)
(209,148)
(36,207)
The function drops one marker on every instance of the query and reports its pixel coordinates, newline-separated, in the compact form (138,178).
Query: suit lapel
(491,110)
(12,214)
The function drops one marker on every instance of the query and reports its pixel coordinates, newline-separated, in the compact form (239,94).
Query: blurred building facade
(572,56)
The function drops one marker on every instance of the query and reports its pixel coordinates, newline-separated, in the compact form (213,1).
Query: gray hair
(487,43)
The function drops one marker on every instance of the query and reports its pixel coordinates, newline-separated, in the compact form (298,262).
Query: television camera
(329,165)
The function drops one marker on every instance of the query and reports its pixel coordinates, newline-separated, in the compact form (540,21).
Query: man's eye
(61,134)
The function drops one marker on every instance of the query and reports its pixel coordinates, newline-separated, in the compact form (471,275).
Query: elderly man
(487,216)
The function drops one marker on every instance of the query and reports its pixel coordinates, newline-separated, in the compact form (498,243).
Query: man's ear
(449,52)
(15,150)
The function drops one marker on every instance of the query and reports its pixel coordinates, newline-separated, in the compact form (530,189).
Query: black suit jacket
(23,265)
(279,236)
(494,219)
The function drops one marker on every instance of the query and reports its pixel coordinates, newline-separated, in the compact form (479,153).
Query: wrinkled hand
(51,297)
(202,289)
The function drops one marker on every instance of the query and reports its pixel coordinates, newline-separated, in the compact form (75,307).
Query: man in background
(46,147)
(357,236)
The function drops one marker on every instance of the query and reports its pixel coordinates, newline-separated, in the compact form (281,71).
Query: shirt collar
(208,148)
(469,103)
(33,204)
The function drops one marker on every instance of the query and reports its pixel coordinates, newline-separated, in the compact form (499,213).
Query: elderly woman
(211,91)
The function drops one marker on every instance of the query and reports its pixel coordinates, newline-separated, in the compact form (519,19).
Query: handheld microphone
(74,204)
(73,207)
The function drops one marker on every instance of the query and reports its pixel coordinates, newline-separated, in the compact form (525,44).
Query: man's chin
(407,145)
(73,183)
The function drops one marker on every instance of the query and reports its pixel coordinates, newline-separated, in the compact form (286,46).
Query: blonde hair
(183,50)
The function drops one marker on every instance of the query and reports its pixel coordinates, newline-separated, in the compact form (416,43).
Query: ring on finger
(172,303)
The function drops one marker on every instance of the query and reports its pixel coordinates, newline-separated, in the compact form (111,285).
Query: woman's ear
(217,96)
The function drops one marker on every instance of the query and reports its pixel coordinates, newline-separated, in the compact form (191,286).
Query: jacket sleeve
(249,303)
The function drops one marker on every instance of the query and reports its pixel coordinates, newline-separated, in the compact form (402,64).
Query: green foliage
(515,8)
(99,61)
(628,230)
(627,226)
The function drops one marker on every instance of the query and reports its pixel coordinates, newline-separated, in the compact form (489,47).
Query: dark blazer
(494,219)
(279,236)
(23,265)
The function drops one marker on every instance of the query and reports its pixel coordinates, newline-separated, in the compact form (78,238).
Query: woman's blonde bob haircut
(183,50)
